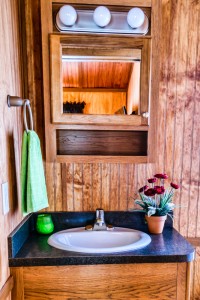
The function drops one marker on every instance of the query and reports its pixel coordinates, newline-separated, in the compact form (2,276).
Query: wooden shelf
(101,159)
(101,142)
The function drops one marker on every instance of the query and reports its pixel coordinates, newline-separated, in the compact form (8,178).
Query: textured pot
(156,223)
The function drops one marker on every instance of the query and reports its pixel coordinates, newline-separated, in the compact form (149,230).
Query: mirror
(99,79)
(101,85)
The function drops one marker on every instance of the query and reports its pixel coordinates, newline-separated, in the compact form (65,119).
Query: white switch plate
(5,197)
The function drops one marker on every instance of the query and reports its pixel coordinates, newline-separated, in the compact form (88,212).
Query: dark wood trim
(96,90)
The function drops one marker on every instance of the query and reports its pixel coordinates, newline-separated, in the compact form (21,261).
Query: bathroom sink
(118,240)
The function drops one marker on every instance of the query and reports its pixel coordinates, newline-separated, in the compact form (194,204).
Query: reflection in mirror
(101,85)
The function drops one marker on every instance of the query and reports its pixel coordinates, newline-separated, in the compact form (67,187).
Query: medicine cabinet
(100,89)
(108,75)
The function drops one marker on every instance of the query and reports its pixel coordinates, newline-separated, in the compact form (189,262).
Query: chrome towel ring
(17,102)
(27,104)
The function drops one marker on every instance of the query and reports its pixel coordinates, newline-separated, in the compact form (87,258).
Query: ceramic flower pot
(156,223)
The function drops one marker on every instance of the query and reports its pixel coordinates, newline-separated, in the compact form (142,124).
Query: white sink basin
(117,240)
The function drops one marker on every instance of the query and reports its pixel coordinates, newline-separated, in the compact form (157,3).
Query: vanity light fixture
(101,20)
(67,15)
(135,17)
(102,16)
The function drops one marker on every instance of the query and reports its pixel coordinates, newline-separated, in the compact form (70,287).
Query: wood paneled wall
(10,126)
(75,187)
(85,186)
(179,109)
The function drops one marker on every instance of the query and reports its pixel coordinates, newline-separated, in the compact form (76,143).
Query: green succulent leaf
(160,205)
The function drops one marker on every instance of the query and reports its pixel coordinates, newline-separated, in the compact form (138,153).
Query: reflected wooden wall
(10,128)
(97,102)
(84,187)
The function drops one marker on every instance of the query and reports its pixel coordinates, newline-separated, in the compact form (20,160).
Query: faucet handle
(88,227)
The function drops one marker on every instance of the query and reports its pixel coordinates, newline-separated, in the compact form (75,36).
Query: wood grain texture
(7,288)
(176,127)
(190,105)
(11,82)
(84,159)
(173,119)
(110,143)
(102,282)
(104,103)
(196,281)
(95,74)
(178,92)
(18,289)
(146,3)
(181,281)
(195,270)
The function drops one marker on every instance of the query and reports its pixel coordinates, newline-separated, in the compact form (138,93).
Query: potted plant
(156,202)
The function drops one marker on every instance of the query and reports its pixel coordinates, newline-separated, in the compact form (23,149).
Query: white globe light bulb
(135,17)
(67,15)
(102,16)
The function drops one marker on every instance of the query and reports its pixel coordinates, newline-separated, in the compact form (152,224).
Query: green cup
(44,224)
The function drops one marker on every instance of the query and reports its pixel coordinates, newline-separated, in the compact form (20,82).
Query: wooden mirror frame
(96,42)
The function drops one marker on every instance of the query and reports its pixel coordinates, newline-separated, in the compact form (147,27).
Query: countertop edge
(72,261)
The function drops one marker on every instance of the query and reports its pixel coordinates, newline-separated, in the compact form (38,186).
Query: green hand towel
(33,186)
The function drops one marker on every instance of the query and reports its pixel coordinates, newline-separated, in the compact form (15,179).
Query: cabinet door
(131,281)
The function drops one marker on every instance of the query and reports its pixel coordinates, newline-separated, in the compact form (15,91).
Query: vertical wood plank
(195,169)
(142,175)
(11,82)
(164,45)
(58,188)
(181,281)
(96,186)
(50,182)
(18,289)
(171,90)
(69,168)
(132,191)
(180,107)
(87,187)
(105,186)
(114,187)
(154,120)
(196,286)
(123,191)
(64,186)
(178,122)
(171,96)
(78,187)
(190,176)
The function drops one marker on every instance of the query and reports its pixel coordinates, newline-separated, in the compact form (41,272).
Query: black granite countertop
(28,248)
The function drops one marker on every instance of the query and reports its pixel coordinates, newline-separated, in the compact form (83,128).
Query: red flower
(150,192)
(159,189)
(174,186)
(142,189)
(152,180)
(161,176)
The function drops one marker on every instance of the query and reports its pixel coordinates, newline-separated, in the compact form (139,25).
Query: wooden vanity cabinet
(68,136)
(161,281)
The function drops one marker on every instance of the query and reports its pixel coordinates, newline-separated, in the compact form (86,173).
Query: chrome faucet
(99,223)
